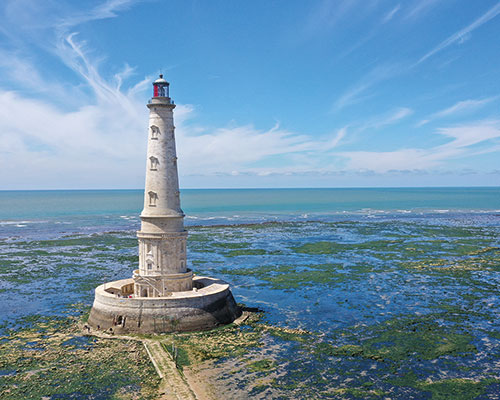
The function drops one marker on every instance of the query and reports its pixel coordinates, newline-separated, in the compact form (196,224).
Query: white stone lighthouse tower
(162,238)
(162,295)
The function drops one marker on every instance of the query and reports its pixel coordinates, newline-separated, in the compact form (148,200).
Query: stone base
(208,305)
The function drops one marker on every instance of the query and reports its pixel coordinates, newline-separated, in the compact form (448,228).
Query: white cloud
(459,36)
(391,14)
(100,140)
(327,14)
(388,119)
(337,138)
(461,107)
(423,122)
(98,143)
(382,120)
(470,134)
(228,149)
(384,161)
(105,10)
(240,148)
(465,139)
(420,7)
(357,92)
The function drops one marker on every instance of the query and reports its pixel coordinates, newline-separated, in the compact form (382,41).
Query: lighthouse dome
(160,80)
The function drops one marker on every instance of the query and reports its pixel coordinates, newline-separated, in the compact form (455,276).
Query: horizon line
(261,188)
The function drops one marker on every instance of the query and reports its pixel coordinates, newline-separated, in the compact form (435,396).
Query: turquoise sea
(397,290)
(252,203)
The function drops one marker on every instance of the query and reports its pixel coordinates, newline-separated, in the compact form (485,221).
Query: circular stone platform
(208,305)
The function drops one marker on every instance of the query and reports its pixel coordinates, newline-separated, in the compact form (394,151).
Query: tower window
(155,132)
(149,248)
(153,166)
(150,265)
(152,199)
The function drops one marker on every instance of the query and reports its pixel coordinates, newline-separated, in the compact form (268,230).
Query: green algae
(199,237)
(324,247)
(286,335)
(226,341)
(462,265)
(265,365)
(246,252)
(300,278)
(178,354)
(448,389)
(287,277)
(93,241)
(231,245)
(50,357)
(456,275)
(359,393)
(401,339)
(258,271)
(128,259)
(451,389)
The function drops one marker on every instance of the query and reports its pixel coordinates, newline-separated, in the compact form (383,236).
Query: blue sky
(269,93)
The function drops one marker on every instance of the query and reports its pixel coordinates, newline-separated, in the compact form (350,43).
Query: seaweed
(50,358)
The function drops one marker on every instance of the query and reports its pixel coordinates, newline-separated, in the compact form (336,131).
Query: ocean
(396,288)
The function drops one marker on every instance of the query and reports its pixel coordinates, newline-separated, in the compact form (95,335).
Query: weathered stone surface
(162,295)
(199,309)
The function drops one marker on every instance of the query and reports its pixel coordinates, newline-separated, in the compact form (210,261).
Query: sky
(340,93)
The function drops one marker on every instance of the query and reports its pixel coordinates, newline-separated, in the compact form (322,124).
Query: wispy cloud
(464,106)
(385,119)
(235,148)
(96,140)
(358,92)
(394,117)
(337,138)
(420,7)
(104,131)
(22,73)
(470,134)
(466,140)
(391,14)
(325,15)
(239,149)
(105,10)
(459,108)
(459,36)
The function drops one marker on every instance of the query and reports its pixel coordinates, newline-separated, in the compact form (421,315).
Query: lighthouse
(163,294)
(162,238)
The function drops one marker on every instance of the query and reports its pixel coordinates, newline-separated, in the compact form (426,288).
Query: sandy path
(173,385)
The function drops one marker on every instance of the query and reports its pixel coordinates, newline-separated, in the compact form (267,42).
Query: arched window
(155,132)
(153,163)
(152,199)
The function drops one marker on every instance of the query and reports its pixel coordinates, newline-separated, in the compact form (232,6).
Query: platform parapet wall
(199,309)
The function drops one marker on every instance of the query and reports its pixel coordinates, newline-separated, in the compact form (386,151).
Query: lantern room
(161,87)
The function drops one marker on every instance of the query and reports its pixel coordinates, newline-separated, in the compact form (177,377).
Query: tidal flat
(354,308)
